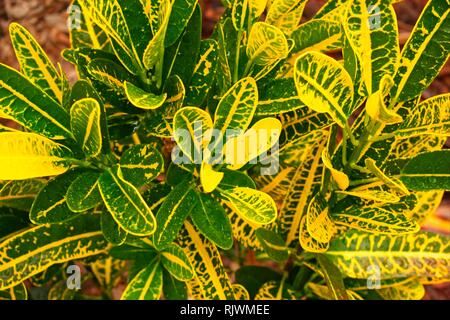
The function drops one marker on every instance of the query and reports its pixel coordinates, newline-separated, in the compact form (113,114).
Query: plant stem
(238,54)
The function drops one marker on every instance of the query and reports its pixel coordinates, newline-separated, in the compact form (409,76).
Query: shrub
(172,154)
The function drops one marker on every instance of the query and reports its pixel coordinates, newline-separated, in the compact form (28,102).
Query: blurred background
(47,21)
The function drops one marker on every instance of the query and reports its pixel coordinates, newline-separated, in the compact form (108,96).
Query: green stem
(238,54)
(363,181)
(81,163)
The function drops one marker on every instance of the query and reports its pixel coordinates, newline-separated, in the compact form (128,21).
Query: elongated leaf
(324,86)
(50,205)
(28,155)
(182,11)
(371,29)
(154,52)
(375,195)
(173,289)
(20,194)
(191,125)
(266,44)
(85,117)
(147,284)
(333,278)
(175,209)
(260,138)
(301,184)
(237,107)
(409,290)
(31,251)
(18,292)
(318,221)
(126,204)
(377,220)
(429,117)
(253,205)
(83,193)
(285,14)
(341,178)
(141,164)
(280,96)
(421,254)
(212,221)
(83,31)
(204,73)
(209,178)
(233,179)
(273,244)
(210,276)
(111,230)
(425,53)
(34,63)
(428,171)
(142,99)
(177,263)
(390,182)
(30,106)
(316,35)
(109,16)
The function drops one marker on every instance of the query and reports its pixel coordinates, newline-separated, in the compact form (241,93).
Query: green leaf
(159,18)
(190,126)
(12,220)
(316,35)
(232,179)
(182,11)
(278,97)
(20,194)
(266,44)
(109,16)
(126,204)
(377,220)
(111,230)
(253,277)
(429,117)
(50,205)
(177,263)
(31,107)
(87,34)
(175,209)
(421,254)
(32,251)
(272,244)
(425,53)
(147,284)
(212,221)
(371,28)
(181,57)
(85,123)
(34,63)
(333,278)
(211,281)
(142,99)
(253,205)
(141,164)
(18,292)
(82,89)
(133,251)
(204,73)
(83,193)
(324,86)
(285,14)
(237,107)
(28,155)
(173,289)
(428,171)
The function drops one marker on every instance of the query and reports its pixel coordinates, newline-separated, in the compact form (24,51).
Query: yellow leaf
(29,155)
(340,177)
(266,44)
(262,136)
(209,178)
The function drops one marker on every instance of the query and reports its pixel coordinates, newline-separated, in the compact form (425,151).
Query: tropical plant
(149,161)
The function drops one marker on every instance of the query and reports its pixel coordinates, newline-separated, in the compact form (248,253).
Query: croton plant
(272,160)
